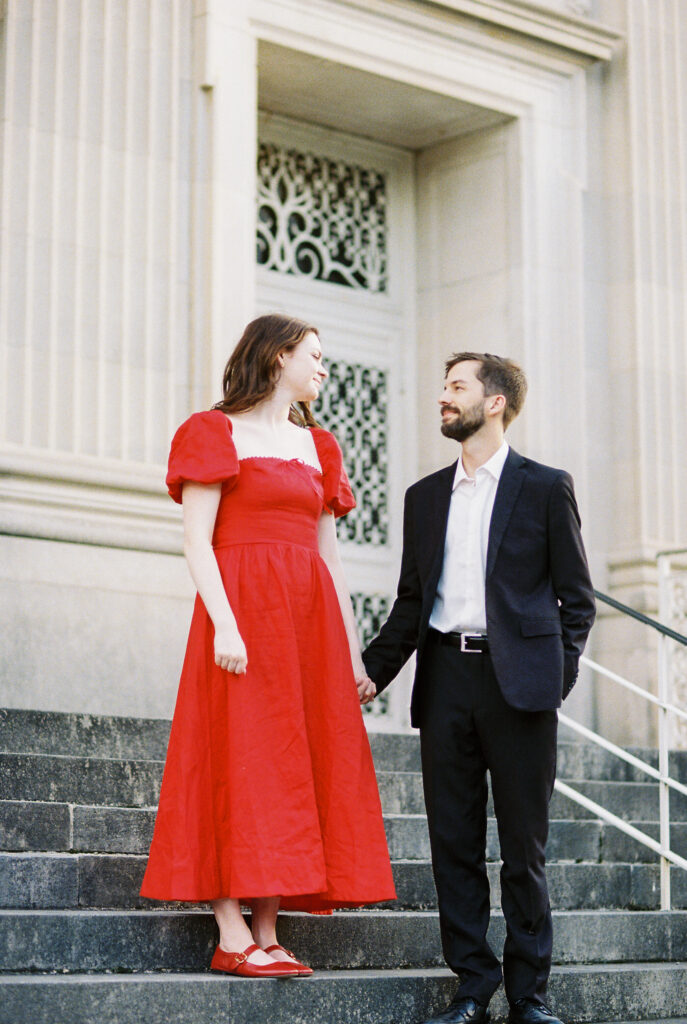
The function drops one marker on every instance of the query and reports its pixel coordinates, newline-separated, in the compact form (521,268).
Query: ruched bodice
(272,501)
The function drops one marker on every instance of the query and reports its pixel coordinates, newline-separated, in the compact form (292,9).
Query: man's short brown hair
(499,376)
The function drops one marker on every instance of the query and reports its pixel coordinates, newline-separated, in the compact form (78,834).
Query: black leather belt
(467,643)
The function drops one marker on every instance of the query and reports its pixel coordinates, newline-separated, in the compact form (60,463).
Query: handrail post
(664,735)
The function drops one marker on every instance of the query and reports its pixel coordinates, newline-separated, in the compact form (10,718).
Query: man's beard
(465,424)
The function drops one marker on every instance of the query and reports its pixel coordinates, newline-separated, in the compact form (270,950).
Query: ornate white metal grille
(354,406)
(329,209)
(371,611)
(321,218)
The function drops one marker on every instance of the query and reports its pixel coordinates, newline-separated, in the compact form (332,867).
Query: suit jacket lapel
(441,503)
(510,482)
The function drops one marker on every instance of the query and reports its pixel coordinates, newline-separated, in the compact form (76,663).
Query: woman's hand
(230,651)
(367,691)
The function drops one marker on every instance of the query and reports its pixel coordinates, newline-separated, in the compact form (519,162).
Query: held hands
(230,651)
(367,691)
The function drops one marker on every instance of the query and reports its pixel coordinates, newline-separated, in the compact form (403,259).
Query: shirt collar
(493,466)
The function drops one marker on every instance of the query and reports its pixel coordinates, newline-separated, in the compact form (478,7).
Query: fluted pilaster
(95,212)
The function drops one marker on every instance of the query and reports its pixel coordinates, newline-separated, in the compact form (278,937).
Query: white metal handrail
(624,826)
(633,687)
(662,774)
(637,762)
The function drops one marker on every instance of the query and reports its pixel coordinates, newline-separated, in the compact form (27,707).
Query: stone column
(642,201)
(224,293)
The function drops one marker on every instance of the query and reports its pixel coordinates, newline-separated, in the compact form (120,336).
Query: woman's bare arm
(200,504)
(329,551)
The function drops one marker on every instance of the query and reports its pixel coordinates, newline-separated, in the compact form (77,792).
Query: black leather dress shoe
(463,1010)
(530,1011)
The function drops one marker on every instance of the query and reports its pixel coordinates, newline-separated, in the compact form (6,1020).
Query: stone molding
(523,25)
(87,501)
(566,29)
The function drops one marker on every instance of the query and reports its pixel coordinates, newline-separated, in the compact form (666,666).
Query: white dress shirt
(460,603)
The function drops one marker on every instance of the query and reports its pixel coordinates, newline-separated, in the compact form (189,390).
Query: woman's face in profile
(302,369)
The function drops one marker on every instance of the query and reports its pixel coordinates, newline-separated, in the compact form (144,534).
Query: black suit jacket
(539,596)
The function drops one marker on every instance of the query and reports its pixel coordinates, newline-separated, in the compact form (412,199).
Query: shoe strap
(276,945)
(233,960)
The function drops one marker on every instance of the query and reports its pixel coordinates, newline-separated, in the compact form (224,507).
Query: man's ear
(497,404)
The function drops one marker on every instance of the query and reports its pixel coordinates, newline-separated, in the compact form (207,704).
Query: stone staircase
(77,944)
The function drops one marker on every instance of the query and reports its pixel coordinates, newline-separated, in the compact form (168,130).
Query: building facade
(414,178)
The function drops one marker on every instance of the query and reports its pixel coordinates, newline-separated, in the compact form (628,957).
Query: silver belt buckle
(469,636)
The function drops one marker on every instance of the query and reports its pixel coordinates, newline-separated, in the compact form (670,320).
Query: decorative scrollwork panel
(371,611)
(354,406)
(321,218)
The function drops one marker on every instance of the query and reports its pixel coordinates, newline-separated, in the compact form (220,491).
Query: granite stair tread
(183,939)
(338,997)
(27,826)
(135,783)
(28,731)
(63,880)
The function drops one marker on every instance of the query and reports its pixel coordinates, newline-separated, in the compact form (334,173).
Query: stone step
(65,880)
(57,732)
(31,825)
(129,783)
(580,994)
(82,780)
(569,840)
(52,732)
(571,886)
(587,761)
(78,735)
(122,783)
(97,940)
(396,752)
(636,801)
(617,846)
(27,826)
(101,736)
(401,793)
(113,782)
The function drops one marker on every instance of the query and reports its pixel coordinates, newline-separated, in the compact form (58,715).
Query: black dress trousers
(467,729)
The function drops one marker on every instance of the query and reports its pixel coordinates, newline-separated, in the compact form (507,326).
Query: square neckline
(277,458)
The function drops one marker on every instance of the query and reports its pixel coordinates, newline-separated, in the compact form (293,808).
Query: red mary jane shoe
(238,963)
(303,969)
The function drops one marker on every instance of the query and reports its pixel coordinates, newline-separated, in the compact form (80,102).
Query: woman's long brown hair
(252,372)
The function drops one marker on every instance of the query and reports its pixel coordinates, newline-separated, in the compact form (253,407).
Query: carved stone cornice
(85,500)
(520,18)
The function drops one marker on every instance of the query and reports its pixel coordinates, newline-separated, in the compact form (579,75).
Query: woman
(269,795)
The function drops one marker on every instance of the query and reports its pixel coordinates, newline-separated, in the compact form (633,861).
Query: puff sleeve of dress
(338,497)
(202,451)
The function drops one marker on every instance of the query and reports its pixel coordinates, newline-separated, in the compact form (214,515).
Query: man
(495,597)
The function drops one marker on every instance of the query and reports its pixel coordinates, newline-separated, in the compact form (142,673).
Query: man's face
(462,402)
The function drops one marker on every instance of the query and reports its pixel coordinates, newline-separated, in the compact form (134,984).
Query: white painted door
(335,247)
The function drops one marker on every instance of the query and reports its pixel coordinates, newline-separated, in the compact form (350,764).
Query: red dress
(269,787)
